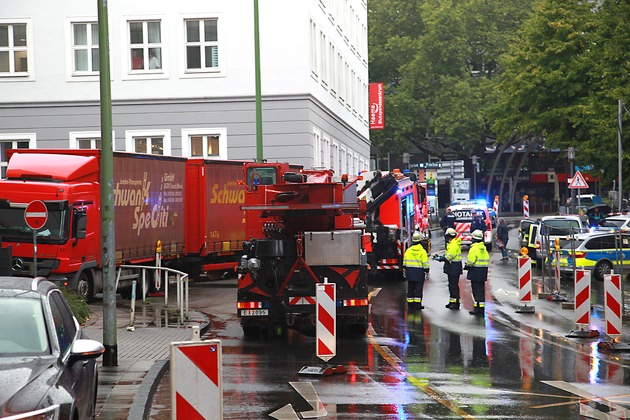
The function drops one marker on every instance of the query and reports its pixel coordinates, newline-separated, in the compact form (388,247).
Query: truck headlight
(253,264)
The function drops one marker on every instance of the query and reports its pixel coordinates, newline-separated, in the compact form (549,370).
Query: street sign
(36,214)
(578,181)
(426,165)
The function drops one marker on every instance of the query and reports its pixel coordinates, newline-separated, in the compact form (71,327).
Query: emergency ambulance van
(463,219)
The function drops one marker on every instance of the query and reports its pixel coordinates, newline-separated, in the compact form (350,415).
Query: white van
(552,227)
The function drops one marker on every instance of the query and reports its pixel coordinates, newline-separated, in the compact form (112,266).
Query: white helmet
(417,237)
(477,235)
(451,232)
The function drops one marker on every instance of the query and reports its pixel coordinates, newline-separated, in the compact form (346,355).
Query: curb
(141,405)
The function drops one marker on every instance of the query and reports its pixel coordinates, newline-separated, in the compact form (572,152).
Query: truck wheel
(85,287)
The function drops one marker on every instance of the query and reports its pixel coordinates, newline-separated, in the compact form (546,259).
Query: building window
(86,140)
(207,143)
(153,142)
(145,45)
(13,141)
(13,49)
(202,45)
(85,48)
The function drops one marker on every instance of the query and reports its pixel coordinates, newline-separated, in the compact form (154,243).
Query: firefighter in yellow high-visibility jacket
(416,268)
(477,266)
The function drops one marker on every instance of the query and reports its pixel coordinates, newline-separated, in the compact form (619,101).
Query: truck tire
(85,287)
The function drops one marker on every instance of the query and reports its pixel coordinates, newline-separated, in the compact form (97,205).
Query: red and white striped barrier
(495,206)
(582,305)
(525,284)
(196,389)
(612,313)
(326,326)
(526,208)
(582,297)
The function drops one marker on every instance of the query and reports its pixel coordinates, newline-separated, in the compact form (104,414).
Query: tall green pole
(259,136)
(110,358)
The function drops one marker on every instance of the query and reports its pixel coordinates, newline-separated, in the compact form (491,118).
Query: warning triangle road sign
(578,181)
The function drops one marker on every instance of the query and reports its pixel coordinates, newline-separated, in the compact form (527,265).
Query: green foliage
(78,305)
(564,75)
(438,59)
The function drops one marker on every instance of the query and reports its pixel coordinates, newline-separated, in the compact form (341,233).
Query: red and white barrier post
(495,205)
(325,329)
(196,385)
(582,306)
(525,285)
(526,206)
(612,314)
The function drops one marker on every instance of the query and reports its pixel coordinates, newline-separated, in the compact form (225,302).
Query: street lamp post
(474,188)
(571,156)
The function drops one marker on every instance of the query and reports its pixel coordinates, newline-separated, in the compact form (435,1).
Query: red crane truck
(191,207)
(301,226)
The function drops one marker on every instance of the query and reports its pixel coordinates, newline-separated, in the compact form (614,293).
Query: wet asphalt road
(434,363)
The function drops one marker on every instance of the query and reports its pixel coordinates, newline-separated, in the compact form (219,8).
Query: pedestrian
(452,260)
(477,266)
(415,269)
(596,218)
(477,221)
(502,238)
(448,220)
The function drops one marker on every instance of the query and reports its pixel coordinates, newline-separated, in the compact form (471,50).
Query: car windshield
(615,222)
(22,327)
(13,226)
(561,226)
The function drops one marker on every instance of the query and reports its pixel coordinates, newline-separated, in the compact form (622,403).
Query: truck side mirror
(79,226)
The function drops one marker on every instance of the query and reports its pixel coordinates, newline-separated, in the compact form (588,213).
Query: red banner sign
(377,102)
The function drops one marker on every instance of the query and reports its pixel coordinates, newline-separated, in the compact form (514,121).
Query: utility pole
(259,134)
(619,153)
(110,357)
(474,188)
(571,156)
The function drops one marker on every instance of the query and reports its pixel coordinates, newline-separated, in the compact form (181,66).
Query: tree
(438,60)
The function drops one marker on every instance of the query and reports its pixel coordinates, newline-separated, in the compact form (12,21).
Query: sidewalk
(125,391)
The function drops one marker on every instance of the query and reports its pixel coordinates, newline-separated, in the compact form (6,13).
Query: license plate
(254,312)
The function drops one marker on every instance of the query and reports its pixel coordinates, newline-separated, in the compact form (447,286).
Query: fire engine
(301,226)
(396,207)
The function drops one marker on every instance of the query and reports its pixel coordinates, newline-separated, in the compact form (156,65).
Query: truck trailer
(188,208)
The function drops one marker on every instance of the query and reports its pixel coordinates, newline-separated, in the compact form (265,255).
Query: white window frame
(202,44)
(75,136)
(343,163)
(326,151)
(29,48)
(334,157)
(220,132)
(73,74)
(313,49)
(17,137)
(128,71)
(130,135)
(317,148)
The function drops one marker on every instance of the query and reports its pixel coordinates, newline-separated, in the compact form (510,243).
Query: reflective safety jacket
(477,262)
(453,257)
(416,262)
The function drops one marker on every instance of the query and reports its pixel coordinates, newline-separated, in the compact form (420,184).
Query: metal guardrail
(163,273)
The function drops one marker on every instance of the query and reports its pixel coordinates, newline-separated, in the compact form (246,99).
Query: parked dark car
(48,369)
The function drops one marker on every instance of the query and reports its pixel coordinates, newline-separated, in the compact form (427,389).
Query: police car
(463,219)
(599,252)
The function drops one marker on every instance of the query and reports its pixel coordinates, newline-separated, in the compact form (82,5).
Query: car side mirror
(84,349)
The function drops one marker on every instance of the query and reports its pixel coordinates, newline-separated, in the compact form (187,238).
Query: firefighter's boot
(453,304)
(479,309)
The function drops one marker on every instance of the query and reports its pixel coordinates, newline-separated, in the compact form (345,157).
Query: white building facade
(183,79)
